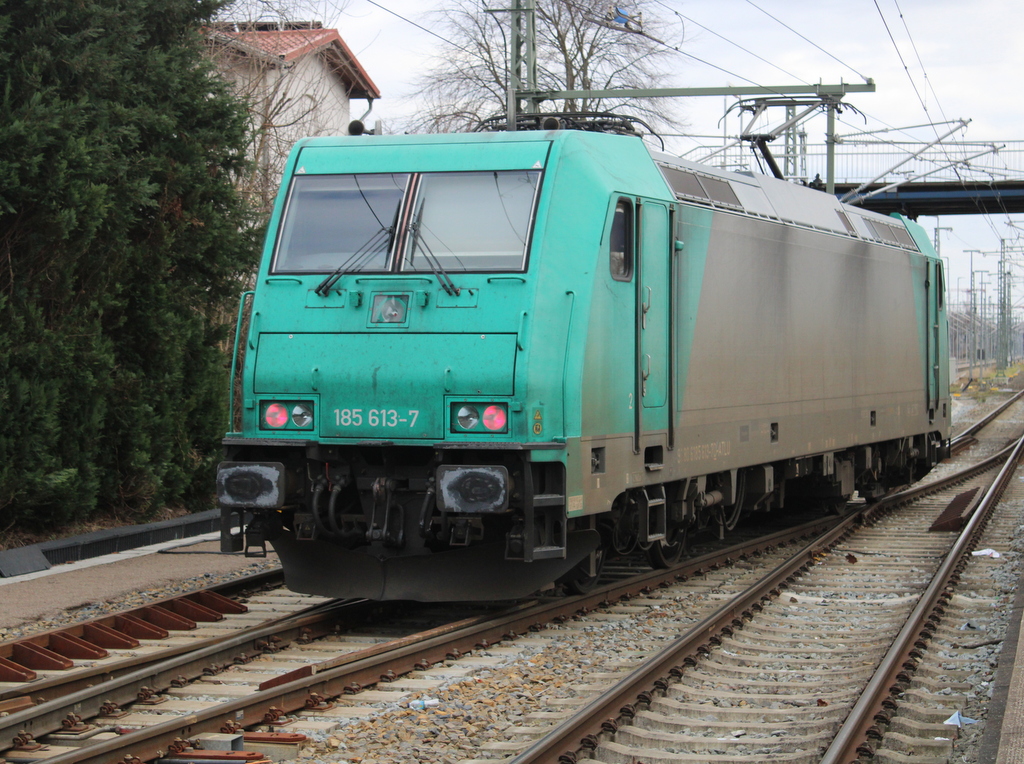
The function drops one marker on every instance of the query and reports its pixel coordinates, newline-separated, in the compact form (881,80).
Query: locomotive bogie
(479,365)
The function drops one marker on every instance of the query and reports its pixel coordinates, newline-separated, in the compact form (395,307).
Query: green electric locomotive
(476,365)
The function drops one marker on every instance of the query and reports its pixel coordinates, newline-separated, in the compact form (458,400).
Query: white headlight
(468,417)
(302,415)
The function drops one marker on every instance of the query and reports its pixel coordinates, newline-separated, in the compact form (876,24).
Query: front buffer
(389,523)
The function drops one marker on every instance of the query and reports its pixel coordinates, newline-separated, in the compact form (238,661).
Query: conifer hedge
(121,238)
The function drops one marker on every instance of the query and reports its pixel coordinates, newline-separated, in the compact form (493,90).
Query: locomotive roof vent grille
(694,186)
(891,234)
(719,192)
(846,223)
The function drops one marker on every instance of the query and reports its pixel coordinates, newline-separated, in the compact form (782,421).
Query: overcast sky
(946,60)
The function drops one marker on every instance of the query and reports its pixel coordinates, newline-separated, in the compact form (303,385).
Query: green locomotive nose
(385,385)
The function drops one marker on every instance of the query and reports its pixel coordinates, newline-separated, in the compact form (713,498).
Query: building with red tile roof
(297,80)
(287,46)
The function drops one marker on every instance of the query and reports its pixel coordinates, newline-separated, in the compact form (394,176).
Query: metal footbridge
(943,178)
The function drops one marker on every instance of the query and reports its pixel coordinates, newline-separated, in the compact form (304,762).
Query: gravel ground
(480,711)
(968,409)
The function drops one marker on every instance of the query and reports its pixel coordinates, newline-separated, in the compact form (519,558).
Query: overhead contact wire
(807,40)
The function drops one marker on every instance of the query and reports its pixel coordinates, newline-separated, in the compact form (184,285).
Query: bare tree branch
(578,48)
(285,100)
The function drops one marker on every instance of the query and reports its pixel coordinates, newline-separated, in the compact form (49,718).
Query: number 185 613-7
(375,417)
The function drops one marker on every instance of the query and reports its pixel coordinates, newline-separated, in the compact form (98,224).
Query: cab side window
(621,242)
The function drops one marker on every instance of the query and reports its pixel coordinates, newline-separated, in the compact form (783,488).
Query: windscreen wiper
(379,242)
(419,245)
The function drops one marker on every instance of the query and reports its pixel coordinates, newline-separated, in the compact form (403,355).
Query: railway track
(52,663)
(967,438)
(798,680)
(314,673)
(310,659)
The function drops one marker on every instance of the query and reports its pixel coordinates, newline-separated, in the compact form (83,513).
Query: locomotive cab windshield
(339,220)
(393,222)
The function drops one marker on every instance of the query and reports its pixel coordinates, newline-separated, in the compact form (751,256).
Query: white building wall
(287,101)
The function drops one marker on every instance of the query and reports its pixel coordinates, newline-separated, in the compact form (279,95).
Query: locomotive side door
(653,316)
(934,289)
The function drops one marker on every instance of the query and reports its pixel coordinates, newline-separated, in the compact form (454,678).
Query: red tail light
(495,419)
(276,415)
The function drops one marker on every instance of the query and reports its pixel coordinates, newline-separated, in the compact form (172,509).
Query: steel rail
(961,445)
(55,686)
(924,489)
(123,690)
(87,702)
(582,730)
(893,674)
(963,439)
(352,671)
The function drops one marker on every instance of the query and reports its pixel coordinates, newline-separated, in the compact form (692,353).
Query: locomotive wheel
(578,581)
(836,506)
(663,554)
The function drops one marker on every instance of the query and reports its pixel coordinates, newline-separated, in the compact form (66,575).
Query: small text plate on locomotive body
(382,417)
(706,451)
